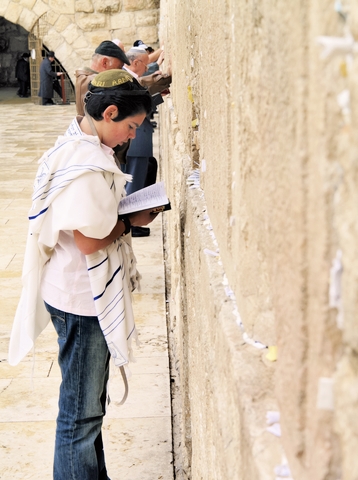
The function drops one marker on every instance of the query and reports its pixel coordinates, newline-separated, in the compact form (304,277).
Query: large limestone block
(52,40)
(40,8)
(153,4)
(127,35)
(133,5)
(95,38)
(63,22)
(147,18)
(3,8)
(28,3)
(150,34)
(62,6)
(122,20)
(13,12)
(72,33)
(107,6)
(79,43)
(52,17)
(84,6)
(90,22)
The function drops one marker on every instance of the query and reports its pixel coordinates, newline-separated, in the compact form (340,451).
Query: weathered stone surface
(64,50)
(27,19)
(147,17)
(122,20)
(149,33)
(3,7)
(13,12)
(79,43)
(62,6)
(127,35)
(133,5)
(53,39)
(52,17)
(107,6)
(40,8)
(29,4)
(90,22)
(63,22)
(277,171)
(85,55)
(85,6)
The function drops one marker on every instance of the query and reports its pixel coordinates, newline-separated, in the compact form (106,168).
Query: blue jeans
(84,362)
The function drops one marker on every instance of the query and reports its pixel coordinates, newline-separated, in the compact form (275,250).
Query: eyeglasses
(146,66)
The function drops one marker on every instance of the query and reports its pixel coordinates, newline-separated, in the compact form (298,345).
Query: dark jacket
(22,71)
(142,144)
(46,79)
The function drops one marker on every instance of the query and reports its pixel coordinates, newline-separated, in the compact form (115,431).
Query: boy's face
(117,133)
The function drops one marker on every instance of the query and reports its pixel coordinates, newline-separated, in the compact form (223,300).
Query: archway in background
(38,51)
(14,41)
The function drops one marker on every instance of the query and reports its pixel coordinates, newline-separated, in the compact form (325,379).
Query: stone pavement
(137,435)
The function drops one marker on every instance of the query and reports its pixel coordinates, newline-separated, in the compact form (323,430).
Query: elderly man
(108,55)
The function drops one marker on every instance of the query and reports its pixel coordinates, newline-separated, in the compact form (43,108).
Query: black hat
(110,49)
(50,54)
(25,55)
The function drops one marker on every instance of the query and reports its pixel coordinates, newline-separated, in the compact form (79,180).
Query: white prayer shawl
(112,270)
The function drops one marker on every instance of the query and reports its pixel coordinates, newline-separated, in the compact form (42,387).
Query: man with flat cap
(107,56)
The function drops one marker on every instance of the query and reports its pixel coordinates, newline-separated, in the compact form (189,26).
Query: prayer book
(153,196)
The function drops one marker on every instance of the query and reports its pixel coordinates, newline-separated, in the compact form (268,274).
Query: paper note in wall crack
(153,197)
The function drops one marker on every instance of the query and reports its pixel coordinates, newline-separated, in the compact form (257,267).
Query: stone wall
(263,254)
(74,28)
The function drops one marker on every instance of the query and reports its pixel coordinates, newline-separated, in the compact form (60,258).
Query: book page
(152,196)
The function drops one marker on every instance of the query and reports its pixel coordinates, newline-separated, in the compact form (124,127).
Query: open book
(153,196)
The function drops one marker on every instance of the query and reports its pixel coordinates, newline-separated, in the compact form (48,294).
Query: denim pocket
(58,319)
(60,325)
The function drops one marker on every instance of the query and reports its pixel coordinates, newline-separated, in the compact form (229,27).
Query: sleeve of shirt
(88,205)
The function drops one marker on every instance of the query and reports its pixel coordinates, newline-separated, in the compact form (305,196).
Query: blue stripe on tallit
(40,213)
(64,171)
(114,320)
(39,192)
(108,283)
(58,187)
(102,316)
(115,326)
(53,189)
(130,333)
(98,264)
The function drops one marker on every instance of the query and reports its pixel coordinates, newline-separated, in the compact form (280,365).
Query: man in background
(107,56)
(47,75)
(22,73)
